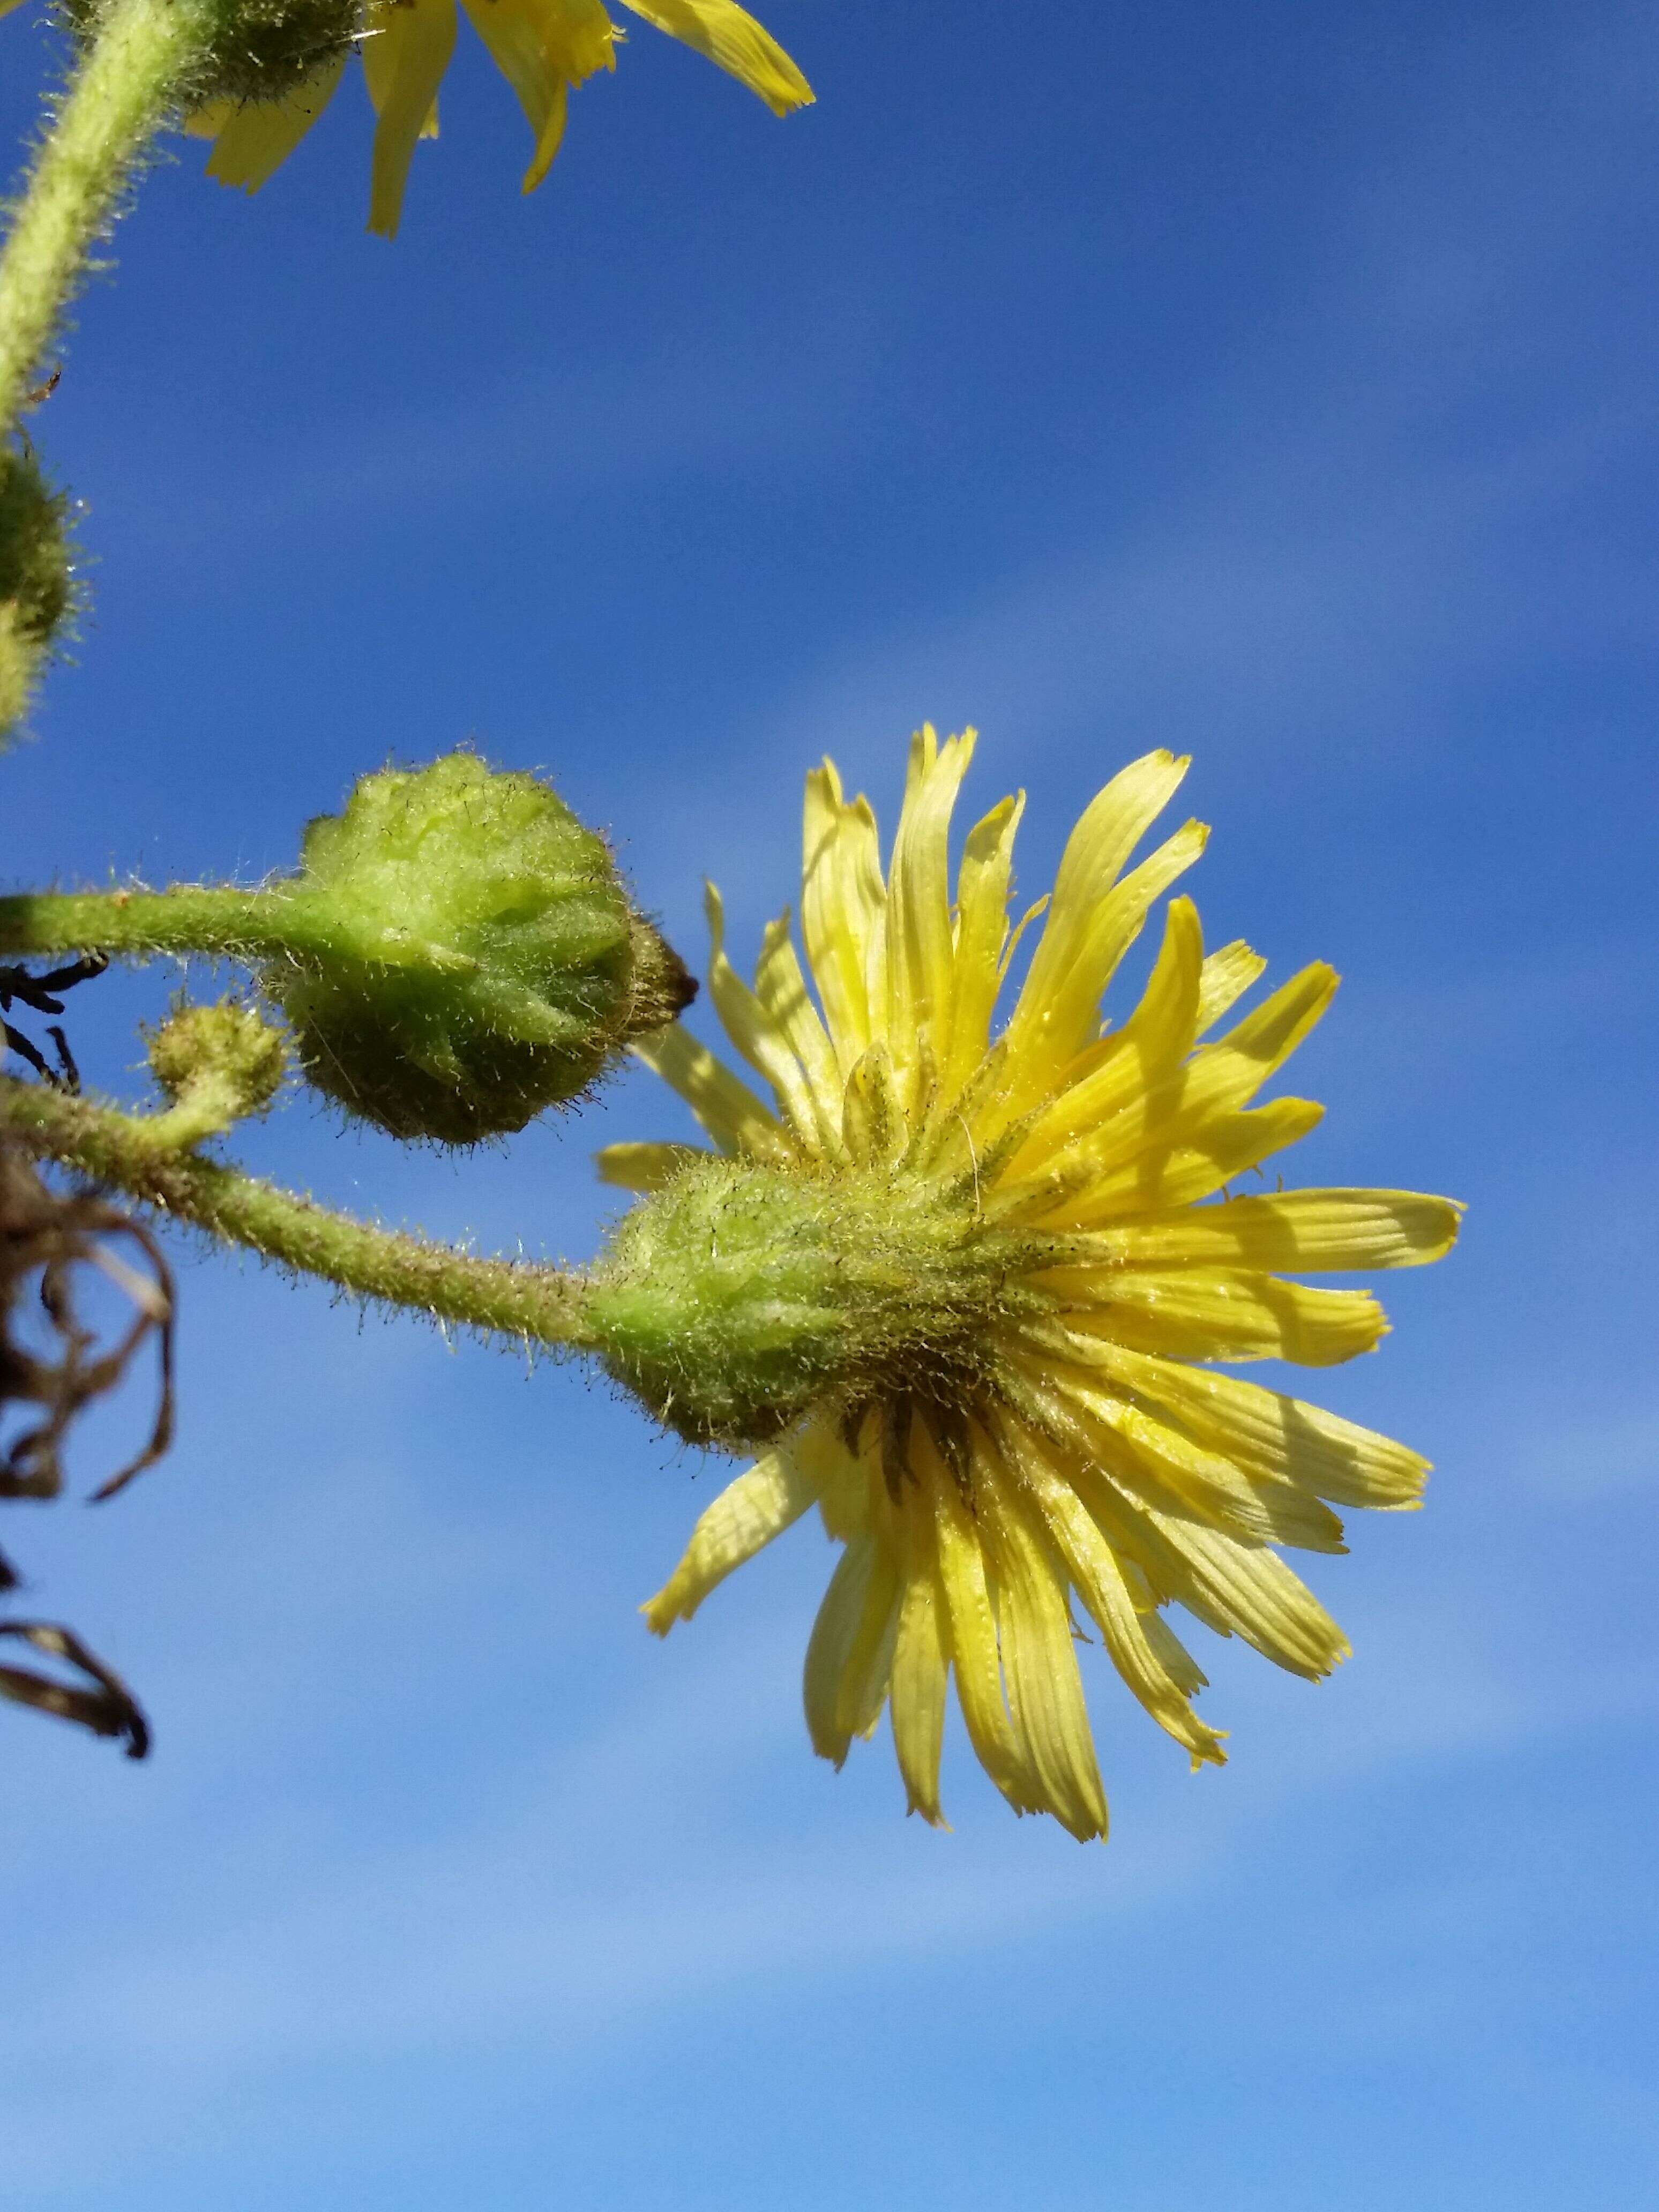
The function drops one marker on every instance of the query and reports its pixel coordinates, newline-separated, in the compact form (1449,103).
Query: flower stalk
(217,921)
(530,1303)
(122,91)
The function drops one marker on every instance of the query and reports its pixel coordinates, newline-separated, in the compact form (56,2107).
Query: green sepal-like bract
(249,50)
(741,1294)
(460,953)
(38,587)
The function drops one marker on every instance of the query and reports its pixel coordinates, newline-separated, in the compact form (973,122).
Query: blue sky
(1275,384)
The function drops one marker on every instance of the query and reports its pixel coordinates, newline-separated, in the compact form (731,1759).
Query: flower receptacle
(741,1294)
(245,50)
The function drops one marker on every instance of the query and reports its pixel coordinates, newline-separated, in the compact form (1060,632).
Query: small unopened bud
(462,953)
(250,50)
(38,588)
(229,1048)
(742,1295)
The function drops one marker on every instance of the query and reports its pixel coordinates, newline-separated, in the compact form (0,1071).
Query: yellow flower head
(1030,1247)
(542,48)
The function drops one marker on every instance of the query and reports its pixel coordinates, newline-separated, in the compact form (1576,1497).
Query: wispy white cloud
(700,404)
(630,1869)
(1365,525)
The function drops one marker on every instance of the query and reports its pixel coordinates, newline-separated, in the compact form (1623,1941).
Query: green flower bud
(743,1295)
(253,50)
(229,1049)
(38,589)
(460,953)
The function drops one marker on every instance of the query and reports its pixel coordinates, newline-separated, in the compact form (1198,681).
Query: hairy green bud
(38,587)
(460,953)
(250,49)
(742,1295)
(229,1048)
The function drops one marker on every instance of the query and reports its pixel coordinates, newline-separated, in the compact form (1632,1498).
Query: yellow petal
(843,904)
(1219,1313)
(379,51)
(576,38)
(1069,1020)
(1174,1106)
(782,989)
(403,65)
(1254,1594)
(743,1520)
(1267,1433)
(728,1110)
(1156,1462)
(869,1669)
(542,47)
(734,39)
(1228,1074)
(1039,1663)
(1095,1569)
(833,1631)
(1114,1089)
(257,138)
(1299,1232)
(981,933)
(873,1128)
(1160,1031)
(1177,1662)
(971,1627)
(549,138)
(758,1036)
(919,954)
(1228,974)
(511,30)
(851,1647)
(207,121)
(1079,1193)
(1233,1588)
(1097,852)
(645,1167)
(920,1680)
(1080,945)
(846,1474)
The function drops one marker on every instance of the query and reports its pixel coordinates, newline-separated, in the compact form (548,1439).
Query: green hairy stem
(214,921)
(503,1297)
(118,96)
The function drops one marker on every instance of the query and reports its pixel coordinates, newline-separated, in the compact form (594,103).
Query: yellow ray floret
(544,48)
(1082,1460)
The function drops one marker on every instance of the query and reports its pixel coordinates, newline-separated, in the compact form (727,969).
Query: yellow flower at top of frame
(1028,1247)
(542,48)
